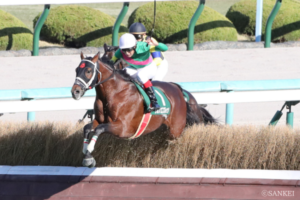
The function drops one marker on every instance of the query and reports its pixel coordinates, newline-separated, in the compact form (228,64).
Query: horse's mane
(121,72)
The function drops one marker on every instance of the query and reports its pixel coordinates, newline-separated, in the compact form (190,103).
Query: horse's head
(86,76)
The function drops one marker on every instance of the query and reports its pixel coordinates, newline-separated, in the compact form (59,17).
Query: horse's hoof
(89,162)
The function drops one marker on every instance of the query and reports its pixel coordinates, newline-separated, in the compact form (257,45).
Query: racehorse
(119,107)
(201,112)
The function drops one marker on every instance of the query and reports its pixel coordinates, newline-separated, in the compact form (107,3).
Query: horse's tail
(208,118)
(191,117)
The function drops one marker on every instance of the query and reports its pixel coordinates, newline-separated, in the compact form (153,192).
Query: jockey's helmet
(127,41)
(137,29)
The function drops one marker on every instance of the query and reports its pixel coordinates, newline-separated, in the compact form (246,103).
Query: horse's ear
(116,48)
(96,57)
(81,56)
(105,47)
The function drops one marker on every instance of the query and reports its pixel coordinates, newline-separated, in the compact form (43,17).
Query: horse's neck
(109,88)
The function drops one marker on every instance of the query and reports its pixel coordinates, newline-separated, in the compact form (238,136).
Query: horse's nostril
(77,91)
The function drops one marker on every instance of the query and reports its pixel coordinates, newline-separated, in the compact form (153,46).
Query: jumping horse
(199,109)
(119,106)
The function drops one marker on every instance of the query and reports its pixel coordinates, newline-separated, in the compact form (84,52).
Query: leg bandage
(85,145)
(91,146)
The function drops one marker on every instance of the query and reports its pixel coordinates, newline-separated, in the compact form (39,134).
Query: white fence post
(258,25)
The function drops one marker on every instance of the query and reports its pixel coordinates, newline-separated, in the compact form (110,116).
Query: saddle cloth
(162,100)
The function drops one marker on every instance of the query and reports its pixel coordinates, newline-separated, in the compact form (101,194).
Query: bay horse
(200,111)
(119,107)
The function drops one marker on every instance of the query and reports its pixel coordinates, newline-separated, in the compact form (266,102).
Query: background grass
(173,18)
(27,13)
(78,26)
(14,35)
(286,26)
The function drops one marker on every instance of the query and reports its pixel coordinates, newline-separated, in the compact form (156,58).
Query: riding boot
(153,100)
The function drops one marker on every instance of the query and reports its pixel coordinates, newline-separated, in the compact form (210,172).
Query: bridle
(96,69)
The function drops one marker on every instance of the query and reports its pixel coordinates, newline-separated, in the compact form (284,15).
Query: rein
(112,74)
(100,82)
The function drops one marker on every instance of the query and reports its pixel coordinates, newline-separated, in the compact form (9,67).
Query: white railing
(202,98)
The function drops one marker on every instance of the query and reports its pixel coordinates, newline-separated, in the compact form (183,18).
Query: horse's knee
(86,130)
(99,130)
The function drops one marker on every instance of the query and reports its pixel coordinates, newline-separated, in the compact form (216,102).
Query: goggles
(138,36)
(128,49)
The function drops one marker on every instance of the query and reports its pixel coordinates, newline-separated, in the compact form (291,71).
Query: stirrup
(153,108)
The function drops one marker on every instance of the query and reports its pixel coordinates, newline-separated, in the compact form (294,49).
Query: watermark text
(278,193)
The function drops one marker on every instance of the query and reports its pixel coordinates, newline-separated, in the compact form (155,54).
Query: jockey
(139,32)
(137,55)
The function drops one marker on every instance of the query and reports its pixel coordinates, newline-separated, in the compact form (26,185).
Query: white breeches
(162,70)
(143,74)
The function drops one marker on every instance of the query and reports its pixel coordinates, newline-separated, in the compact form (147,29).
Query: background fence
(212,92)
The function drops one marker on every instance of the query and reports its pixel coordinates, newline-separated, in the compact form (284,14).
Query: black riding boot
(153,100)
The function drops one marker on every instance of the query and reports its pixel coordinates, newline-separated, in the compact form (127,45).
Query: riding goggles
(128,49)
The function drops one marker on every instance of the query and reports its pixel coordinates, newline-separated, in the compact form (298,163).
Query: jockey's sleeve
(159,47)
(156,55)
(114,59)
(157,61)
(117,55)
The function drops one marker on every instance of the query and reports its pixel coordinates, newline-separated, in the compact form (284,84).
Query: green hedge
(286,25)
(14,35)
(78,26)
(172,20)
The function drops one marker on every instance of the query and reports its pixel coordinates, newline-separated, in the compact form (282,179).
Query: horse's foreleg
(113,128)
(91,146)
(89,161)
(86,132)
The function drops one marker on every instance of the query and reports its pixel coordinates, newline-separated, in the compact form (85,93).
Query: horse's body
(119,108)
(202,113)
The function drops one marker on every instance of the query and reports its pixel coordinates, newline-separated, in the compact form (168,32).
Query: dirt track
(212,65)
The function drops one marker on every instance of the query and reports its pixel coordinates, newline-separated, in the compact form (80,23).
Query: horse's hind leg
(177,118)
(175,132)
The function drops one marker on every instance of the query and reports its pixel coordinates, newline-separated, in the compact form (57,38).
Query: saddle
(162,99)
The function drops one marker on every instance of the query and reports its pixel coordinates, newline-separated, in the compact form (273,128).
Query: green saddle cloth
(162,100)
